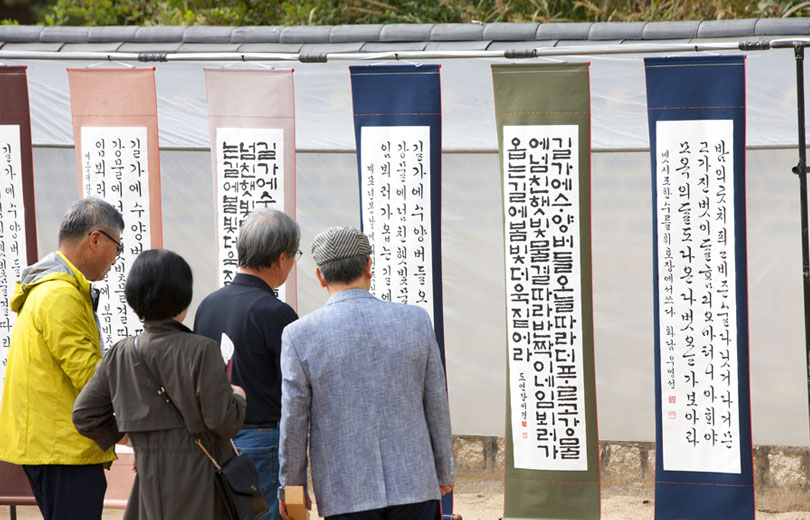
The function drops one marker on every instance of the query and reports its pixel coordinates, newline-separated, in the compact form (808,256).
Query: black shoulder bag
(237,480)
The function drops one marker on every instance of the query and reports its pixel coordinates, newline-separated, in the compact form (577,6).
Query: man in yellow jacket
(55,347)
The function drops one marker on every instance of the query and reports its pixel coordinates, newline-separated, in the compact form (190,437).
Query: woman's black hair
(159,285)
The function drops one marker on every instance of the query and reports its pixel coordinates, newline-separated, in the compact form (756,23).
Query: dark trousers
(68,492)
(419,511)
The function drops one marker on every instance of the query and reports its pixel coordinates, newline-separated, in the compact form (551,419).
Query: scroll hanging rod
(316,57)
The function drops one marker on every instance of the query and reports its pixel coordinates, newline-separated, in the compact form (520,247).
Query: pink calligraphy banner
(115,134)
(120,98)
(251,117)
(117,157)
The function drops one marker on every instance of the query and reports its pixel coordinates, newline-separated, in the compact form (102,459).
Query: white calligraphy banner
(13,247)
(250,176)
(395,198)
(544,296)
(115,168)
(697,296)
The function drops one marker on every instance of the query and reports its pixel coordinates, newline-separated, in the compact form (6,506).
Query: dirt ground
(480,497)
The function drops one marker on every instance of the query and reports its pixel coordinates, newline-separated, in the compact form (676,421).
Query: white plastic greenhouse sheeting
(324,109)
(471,224)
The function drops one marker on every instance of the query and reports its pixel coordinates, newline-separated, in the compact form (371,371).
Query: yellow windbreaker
(54,352)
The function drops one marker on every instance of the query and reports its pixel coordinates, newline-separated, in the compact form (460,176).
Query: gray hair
(85,215)
(264,235)
(345,270)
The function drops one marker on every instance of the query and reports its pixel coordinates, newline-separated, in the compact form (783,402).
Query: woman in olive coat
(175,478)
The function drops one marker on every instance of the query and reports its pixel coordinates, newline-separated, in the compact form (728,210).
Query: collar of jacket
(83,282)
(54,266)
(348,294)
(251,281)
(163,326)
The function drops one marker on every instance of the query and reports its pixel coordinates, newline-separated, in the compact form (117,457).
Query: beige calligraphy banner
(251,118)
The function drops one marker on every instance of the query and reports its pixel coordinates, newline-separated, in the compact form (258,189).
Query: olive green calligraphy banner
(552,452)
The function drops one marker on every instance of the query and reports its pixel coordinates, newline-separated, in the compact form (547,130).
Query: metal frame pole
(323,57)
(801,170)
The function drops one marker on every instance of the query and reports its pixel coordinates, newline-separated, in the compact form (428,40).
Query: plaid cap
(337,243)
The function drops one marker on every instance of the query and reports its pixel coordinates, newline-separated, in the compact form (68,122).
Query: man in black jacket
(248,314)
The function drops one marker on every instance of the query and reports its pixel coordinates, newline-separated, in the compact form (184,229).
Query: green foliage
(337,12)
(659,10)
(163,12)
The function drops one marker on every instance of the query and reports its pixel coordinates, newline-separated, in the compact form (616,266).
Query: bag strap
(161,391)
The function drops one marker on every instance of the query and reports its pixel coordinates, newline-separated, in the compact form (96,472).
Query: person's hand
(282,509)
(447,488)
(282,506)
(124,440)
(238,390)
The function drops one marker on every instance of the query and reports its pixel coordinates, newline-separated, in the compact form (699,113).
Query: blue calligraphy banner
(704,463)
(398,127)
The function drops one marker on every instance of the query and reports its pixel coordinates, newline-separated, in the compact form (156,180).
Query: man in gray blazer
(364,377)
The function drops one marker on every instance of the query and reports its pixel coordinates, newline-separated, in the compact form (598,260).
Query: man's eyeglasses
(298,255)
(117,243)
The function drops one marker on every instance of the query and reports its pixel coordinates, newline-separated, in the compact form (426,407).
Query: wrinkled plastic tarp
(472,238)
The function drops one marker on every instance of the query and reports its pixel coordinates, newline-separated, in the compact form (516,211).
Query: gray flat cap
(337,243)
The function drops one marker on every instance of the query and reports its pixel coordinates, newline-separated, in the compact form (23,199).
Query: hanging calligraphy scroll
(251,116)
(117,157)
(18,233)
(18,238)
(704,466)
(398,126)
(397,118)
(552,455)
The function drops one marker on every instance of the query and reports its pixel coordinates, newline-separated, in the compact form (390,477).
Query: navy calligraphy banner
(398,127)
(704,463)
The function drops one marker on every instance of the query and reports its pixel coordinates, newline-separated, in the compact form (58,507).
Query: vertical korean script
(13,246)
(250,176)
(115,168)
(697,296)
(544,296)
(396,199)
